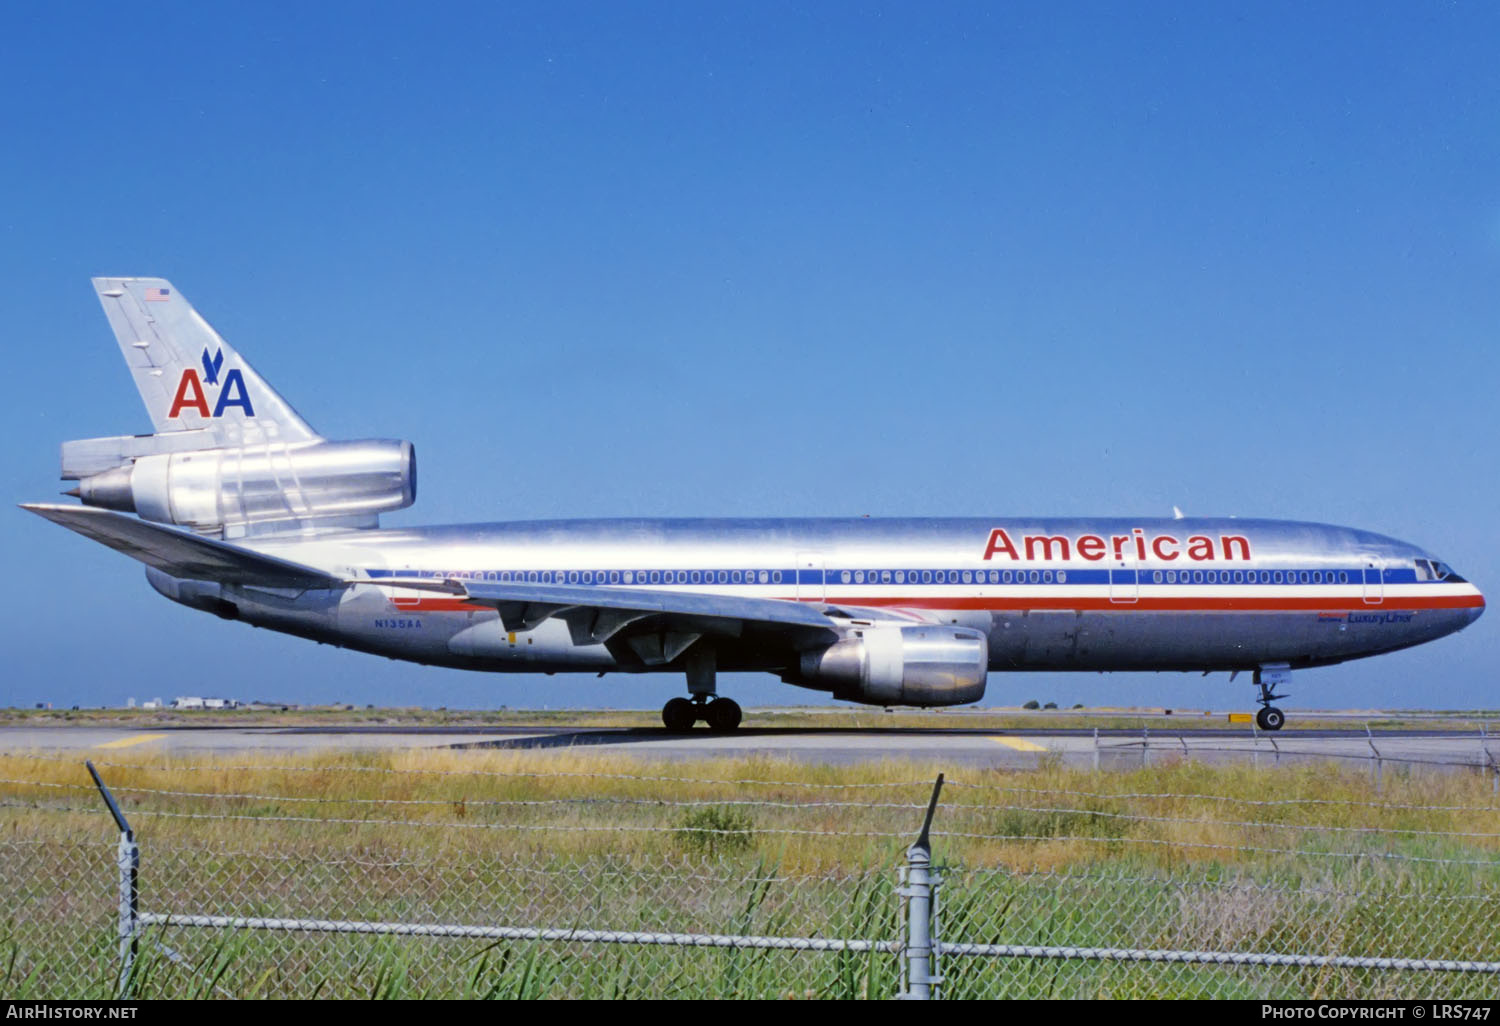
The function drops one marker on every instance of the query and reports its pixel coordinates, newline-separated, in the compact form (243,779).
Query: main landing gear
(721,714)
(1267,678)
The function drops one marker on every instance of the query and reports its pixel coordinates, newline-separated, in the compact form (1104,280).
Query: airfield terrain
(1000,739)
(416,853)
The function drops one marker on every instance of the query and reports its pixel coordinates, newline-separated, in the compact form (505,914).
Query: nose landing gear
(1267,678)
(721,714)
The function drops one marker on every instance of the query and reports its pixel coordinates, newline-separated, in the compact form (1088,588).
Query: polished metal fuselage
(1055,594)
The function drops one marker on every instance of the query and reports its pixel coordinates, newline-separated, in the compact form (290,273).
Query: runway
(1011,749)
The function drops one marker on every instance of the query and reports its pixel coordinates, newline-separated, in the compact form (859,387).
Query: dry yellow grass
(802,816)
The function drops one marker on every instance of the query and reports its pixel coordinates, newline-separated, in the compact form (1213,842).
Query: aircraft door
(1124,579)
(1374,581)
(812,580)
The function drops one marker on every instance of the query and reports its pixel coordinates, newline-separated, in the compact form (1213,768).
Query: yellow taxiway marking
(126,742)
(1020,744)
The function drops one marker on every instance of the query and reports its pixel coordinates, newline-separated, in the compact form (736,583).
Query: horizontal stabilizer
(183,555)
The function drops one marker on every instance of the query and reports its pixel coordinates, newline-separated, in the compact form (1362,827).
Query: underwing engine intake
(927,665)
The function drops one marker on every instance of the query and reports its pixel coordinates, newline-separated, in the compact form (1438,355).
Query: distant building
(196,702)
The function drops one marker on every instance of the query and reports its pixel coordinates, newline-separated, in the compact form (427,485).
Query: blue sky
(770,259)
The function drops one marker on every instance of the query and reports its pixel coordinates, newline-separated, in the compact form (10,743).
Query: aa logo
(191,395)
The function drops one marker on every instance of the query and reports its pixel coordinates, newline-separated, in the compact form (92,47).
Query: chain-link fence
(375,880)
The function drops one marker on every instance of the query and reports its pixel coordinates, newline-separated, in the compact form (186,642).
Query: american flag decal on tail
(158,295)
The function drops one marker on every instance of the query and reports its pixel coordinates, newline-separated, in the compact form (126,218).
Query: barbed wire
(1200,796)
(768,803)
(502,774)
(776,831)
(1278,752)
(483,802)
(1170,843)
(447,824)
(756,803)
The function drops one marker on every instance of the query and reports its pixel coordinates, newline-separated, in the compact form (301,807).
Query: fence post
(919,956)
(128,862)
(1379,762)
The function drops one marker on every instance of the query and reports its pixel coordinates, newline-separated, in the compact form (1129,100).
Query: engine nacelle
(218,489)
(927,665)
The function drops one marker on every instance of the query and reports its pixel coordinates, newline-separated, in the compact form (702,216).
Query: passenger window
(900,576)
(735,577)
(1156,577)
(1035,577)
(1062,577)
(764,577)
(968,577)
(1047,576)
(1197,576)
(859,577)
(926,576)
(1005,577)
(776,577)
(844,577)
(885,577)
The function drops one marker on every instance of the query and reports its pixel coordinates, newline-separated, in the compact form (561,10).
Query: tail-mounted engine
(241,490)
(890,665)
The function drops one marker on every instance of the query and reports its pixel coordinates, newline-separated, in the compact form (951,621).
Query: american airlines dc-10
(242,510)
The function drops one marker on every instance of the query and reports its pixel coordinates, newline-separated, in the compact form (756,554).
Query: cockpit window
(1433,570)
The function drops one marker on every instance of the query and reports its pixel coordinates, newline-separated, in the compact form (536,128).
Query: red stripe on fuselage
(436,605)
(1186,604)
(1200,604)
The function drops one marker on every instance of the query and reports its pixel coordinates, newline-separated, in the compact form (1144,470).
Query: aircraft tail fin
(190,378)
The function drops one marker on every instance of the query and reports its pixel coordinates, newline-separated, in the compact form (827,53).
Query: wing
(181,554)
(653,626)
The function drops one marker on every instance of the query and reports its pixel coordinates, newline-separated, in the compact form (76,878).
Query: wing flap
(605,612)
(181,554)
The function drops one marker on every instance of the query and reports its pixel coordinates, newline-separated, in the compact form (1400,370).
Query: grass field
(1292,860)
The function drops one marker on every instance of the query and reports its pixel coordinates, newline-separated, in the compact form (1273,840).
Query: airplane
(242,510)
